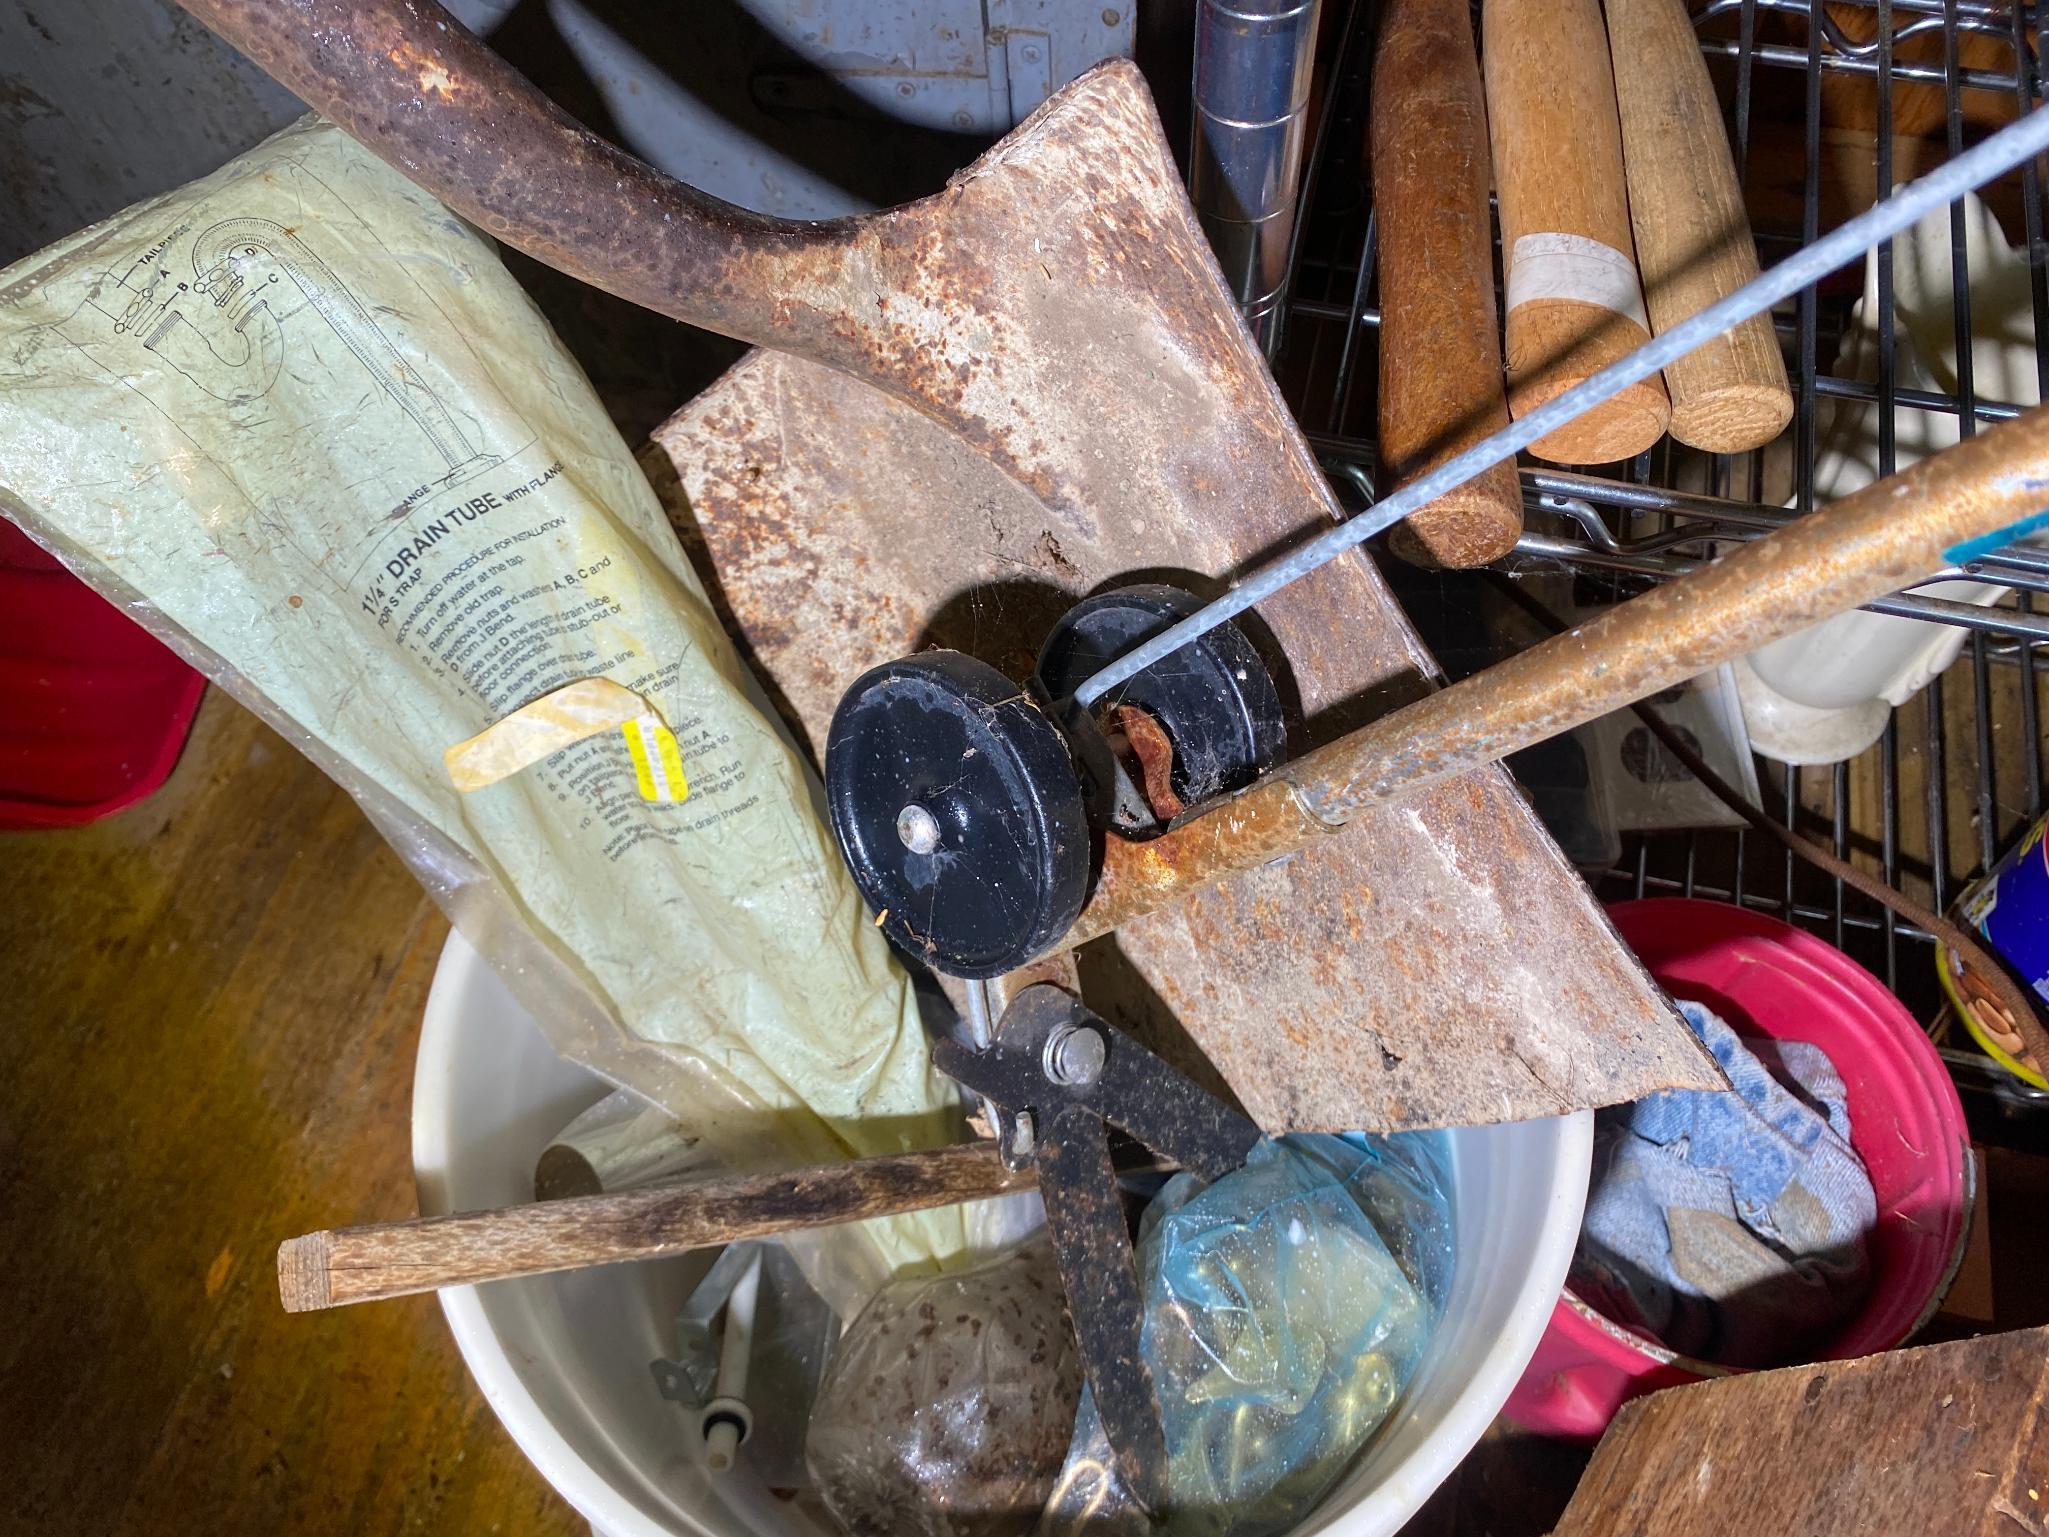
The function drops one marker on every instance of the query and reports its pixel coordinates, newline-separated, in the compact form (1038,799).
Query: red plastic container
(1769,979)
(94,710)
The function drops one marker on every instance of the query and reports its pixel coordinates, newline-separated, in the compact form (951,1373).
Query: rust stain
(1155,755)
(1246,831)
(429,74)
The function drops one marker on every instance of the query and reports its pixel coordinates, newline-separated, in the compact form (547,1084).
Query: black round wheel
(1214,697)
(959,812)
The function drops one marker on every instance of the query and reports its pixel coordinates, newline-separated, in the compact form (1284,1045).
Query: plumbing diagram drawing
(226,327)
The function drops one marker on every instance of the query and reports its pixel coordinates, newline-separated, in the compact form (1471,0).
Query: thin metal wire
(1746,44)
(1888,461)
(1988,761)
(1804,450)
(1935,798)
(1789,791)
(1349,40)
(2026,88)
(1889,835)
(1841,841)
(1362,286)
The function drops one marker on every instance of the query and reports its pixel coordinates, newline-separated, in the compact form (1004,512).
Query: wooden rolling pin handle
(1440,353)
(1693,239)
(1574,297)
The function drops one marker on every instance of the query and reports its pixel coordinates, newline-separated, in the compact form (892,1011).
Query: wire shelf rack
(1829,106)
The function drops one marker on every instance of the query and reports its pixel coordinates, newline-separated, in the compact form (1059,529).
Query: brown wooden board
(210,1003)
(1437,964)
(1944,1441)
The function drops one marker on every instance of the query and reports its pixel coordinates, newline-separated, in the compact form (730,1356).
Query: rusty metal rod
(1983,493)
(411,84)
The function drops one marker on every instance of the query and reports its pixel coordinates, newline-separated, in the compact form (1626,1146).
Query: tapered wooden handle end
(1693,237)
(302,1273)
(1440,343)
(1732,413)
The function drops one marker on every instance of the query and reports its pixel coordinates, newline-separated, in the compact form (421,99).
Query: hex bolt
(917,829)
(1074,1056)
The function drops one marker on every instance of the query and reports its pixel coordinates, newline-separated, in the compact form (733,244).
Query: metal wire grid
(1958,773)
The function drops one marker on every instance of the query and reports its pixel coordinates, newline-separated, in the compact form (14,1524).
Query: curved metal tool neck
(419,90)
(977,306)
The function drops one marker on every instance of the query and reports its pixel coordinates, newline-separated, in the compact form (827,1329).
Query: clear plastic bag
(300,422)
(1287,1306)
(949,1403)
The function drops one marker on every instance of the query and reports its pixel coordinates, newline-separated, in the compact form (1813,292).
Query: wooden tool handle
(394,1259)
(1693,240)
(1575,302)
(1440,354)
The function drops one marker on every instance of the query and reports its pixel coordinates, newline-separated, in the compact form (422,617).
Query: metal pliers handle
(1064,1075)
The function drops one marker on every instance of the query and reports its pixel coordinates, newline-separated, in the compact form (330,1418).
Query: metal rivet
(917,829)
(1074,1056)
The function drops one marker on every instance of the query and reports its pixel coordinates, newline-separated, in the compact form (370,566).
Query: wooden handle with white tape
(1440,342)
(1693,240)
(1574,299)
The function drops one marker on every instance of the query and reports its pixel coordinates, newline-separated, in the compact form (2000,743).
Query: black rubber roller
(1214,697)
(959,812)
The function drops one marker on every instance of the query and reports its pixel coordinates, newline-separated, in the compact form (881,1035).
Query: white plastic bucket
(563,1359)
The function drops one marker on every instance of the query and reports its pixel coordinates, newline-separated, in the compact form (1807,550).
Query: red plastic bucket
(93,708)
(1767,978)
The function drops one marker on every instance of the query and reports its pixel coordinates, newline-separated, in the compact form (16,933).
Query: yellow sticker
(657,762)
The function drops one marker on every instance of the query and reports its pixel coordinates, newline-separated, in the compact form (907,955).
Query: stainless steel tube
(1253,61)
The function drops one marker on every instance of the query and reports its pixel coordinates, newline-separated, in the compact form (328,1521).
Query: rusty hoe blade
(1034,384)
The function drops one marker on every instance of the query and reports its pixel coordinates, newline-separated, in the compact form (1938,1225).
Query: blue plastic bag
(1287,1306)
